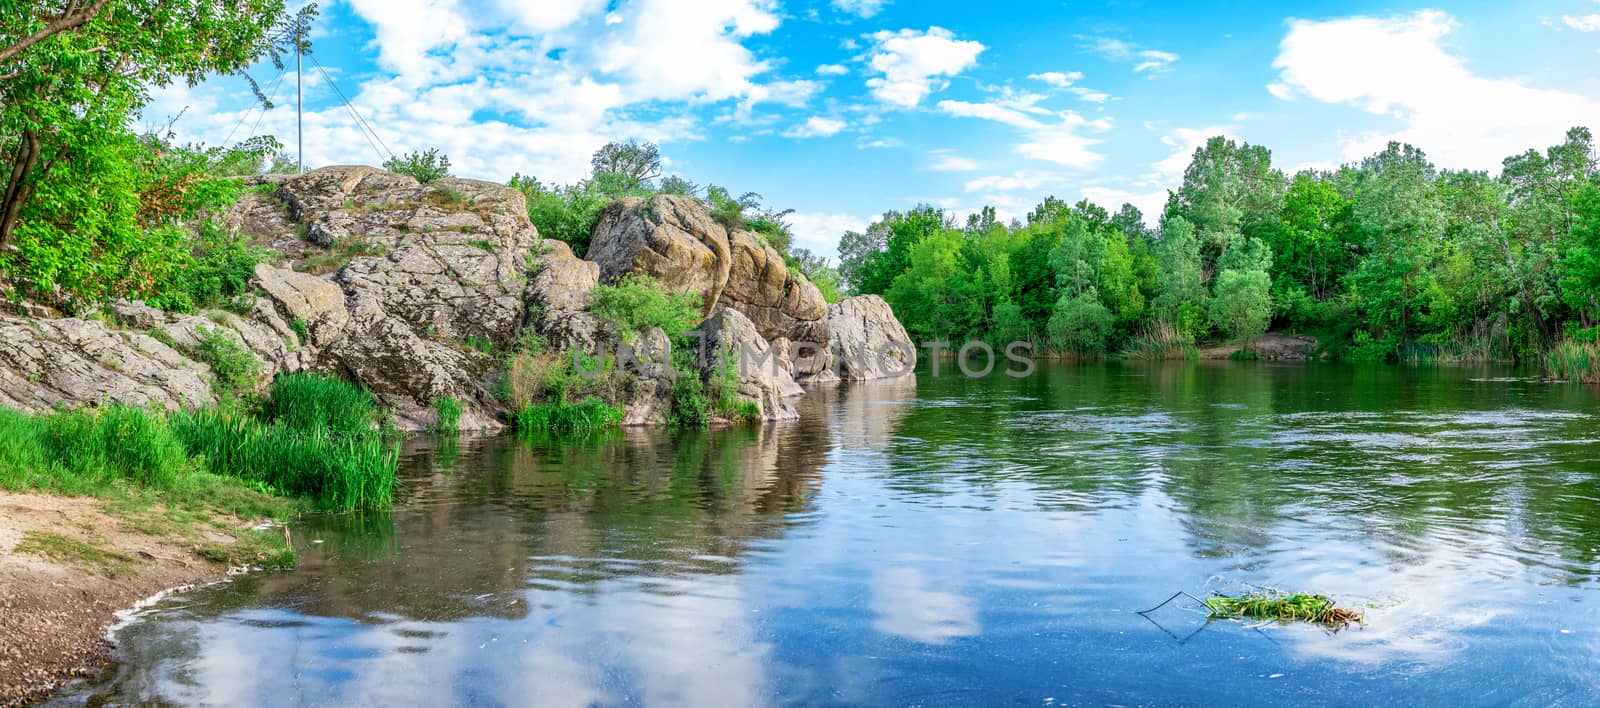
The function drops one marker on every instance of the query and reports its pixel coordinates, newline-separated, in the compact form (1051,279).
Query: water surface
(945,541)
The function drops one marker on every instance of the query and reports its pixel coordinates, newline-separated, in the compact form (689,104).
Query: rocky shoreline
(407,288)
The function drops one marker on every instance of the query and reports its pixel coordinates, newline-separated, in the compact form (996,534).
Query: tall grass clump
(307,402)
(1575,361)
(89,450)
(336,471)
(1159,341)
(447,413)
(587,414)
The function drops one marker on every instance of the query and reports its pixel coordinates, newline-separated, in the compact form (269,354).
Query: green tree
(1241,301)
(632,162)
(1228,188)
(73,76)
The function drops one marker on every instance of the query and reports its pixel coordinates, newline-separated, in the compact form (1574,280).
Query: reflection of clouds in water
(906,608)
(684,641)
(1427,606)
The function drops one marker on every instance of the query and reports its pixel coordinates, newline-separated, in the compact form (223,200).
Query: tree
(1079,323)
(1580,279)
(635,162)
(69,87)
(1228,188)
(1241,301)
(424,166)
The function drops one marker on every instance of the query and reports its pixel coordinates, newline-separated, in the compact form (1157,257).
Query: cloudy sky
(842,109)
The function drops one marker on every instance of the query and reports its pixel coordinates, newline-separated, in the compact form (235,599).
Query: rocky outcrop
(675,240)
(558,297)
(868,342)
(731,341)
(413,290)
(46,363)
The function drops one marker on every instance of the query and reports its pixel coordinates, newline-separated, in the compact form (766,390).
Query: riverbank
(68,565)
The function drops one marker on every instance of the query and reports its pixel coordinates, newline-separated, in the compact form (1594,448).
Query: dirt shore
(1271,346)
(67,565)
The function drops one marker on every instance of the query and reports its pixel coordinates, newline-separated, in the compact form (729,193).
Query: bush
(308,403)
(566,214)
(560,416)
(424,166)
(1080,324)
(637,302)
(234,367)
(217,276)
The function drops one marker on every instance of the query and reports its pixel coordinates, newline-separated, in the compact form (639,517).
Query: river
(949,541)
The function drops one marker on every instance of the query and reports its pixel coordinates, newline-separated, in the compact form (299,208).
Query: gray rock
(868,342)
(648,375)
(731,339)
(675,240)
(71,362)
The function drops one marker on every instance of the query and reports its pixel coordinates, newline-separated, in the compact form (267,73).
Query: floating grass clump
(587,414)
(1284,607)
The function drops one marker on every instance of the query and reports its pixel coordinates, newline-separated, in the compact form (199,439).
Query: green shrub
(216,276)
(448,412)
(424,166)
(234,367)
(298,326)
(560,416)
(337,472)
(566,214)
(637,302)
(306,403)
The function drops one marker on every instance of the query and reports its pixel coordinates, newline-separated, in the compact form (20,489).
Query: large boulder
(675,240)
(558,297)
(868,342)
(731,341)
(646,365)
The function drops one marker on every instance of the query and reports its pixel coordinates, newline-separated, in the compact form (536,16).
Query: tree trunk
(17,188)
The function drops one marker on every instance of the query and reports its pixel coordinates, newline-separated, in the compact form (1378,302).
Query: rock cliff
(411,290)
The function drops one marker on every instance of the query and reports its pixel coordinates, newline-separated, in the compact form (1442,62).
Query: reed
(339,472)
(587,414)
(309,402)
(1575,361)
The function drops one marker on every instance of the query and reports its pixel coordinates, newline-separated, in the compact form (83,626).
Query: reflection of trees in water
(469,541)
(1240,452)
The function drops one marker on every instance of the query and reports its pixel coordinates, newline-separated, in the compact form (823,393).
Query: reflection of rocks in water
(863,415)
(469,539)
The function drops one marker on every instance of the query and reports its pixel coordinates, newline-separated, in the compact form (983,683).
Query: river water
(946,541)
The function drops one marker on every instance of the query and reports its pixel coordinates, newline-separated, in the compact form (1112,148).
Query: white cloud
(1053,137)
(1058,79)
(913,63)
(1023,179)
(819,233)
(444,65)
(1152,62)
(861,8)
(1067,81)
(1586,23)
(945,161)
(832,70)
(816,127)
(1403,70)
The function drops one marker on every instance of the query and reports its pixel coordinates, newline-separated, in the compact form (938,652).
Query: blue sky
(842,109)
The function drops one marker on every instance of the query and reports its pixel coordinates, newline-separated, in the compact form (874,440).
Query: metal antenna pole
(299,96)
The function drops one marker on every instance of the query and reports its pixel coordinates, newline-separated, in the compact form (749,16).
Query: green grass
(1284,607)
(448,415)
(1575,361)
(88,451)
(587,414)
(54,546)
(335,471)
(308,402)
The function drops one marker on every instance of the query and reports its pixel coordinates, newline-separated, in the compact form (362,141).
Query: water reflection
(946,540)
